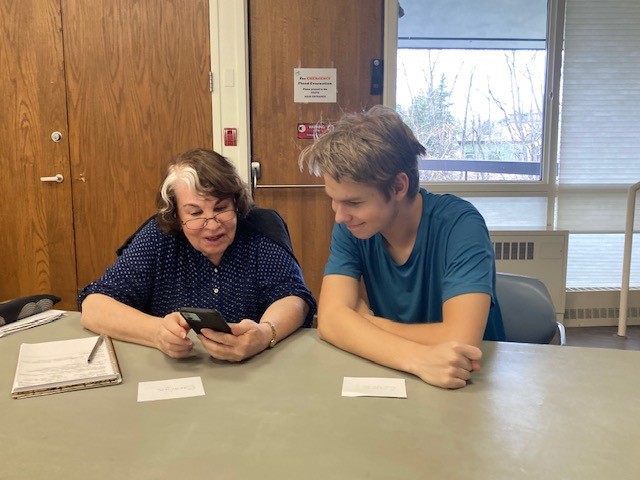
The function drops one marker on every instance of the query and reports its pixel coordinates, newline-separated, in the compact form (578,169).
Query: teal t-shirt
(452,255)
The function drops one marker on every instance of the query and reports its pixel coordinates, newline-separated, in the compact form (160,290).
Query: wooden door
(138,93)
(37,253)
(288,34)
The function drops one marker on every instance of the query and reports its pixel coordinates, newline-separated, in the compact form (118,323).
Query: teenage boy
(426,260)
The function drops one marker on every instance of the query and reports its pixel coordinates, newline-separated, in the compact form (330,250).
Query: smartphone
(198,318)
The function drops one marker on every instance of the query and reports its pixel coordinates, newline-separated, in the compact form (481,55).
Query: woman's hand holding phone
(223,341)
(171,336)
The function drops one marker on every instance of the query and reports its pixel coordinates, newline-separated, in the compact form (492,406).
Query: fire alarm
(230,137)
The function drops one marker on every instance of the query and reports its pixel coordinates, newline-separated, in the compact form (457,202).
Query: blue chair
(527,310)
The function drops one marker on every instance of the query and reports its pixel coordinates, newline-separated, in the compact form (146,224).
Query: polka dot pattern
(159,273)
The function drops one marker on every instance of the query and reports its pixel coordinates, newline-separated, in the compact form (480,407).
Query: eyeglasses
(219,218)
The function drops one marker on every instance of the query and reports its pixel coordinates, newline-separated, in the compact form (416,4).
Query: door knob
(56,137)
(58,178)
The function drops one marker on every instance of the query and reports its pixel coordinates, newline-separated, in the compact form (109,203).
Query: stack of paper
(31,321)
(63,365)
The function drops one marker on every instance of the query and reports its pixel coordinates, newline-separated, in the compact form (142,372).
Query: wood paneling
(138,94)
(287,34)
(37,253)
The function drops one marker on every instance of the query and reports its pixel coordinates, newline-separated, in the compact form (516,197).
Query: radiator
(535,253)
(597,307)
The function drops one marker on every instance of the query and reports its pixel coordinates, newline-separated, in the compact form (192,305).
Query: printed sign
(314,85)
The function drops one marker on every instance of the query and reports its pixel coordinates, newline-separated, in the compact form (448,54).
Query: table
(532,412)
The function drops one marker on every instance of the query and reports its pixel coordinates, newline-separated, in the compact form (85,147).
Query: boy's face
(363,209)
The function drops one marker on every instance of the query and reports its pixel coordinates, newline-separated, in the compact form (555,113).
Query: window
(480,84)
(470,83)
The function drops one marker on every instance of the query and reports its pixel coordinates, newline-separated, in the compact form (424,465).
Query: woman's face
(213,239)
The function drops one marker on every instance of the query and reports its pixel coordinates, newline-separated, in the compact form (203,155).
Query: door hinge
(211,82)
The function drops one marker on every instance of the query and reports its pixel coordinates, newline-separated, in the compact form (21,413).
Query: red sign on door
(311,131)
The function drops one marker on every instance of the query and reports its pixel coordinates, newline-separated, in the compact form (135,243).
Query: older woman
(206,247)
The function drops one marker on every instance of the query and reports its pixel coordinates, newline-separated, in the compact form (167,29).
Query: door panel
(138,94)
(310,219)
(37,253)
(288,34)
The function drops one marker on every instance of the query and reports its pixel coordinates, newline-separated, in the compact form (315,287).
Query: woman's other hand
(248,338)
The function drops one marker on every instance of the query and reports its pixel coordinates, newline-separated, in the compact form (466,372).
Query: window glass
(471,84)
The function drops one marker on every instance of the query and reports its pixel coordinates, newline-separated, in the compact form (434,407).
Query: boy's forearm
(352,332)
(424,333)
(465,319)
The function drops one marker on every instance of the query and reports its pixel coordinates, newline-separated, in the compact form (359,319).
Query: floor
(604,337)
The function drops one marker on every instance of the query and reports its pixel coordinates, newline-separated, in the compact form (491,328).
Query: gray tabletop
(533,411)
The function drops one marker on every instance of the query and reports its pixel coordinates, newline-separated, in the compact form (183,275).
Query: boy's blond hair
(370,147)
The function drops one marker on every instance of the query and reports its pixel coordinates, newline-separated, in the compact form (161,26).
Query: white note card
(374,387)
(168,389)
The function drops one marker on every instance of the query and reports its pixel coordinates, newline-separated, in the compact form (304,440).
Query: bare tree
(514,134)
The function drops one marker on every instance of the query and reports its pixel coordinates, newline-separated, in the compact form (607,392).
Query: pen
(95,348)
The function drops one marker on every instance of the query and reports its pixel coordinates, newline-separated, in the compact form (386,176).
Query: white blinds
(595,261)
(599,147)
(511,212)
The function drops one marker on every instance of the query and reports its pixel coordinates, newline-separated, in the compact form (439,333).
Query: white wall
(230,67)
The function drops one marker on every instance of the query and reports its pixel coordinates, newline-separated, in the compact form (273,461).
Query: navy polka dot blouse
(159,273)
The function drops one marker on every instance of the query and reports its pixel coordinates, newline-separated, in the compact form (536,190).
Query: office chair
(527,310)
(22,307)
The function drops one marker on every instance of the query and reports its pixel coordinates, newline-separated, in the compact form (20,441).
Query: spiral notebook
(62,366)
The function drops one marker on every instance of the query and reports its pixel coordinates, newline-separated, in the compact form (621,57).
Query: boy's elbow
(324,327)
(322,334)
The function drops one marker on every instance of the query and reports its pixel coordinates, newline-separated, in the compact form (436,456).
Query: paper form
(374,387)
(169,389)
